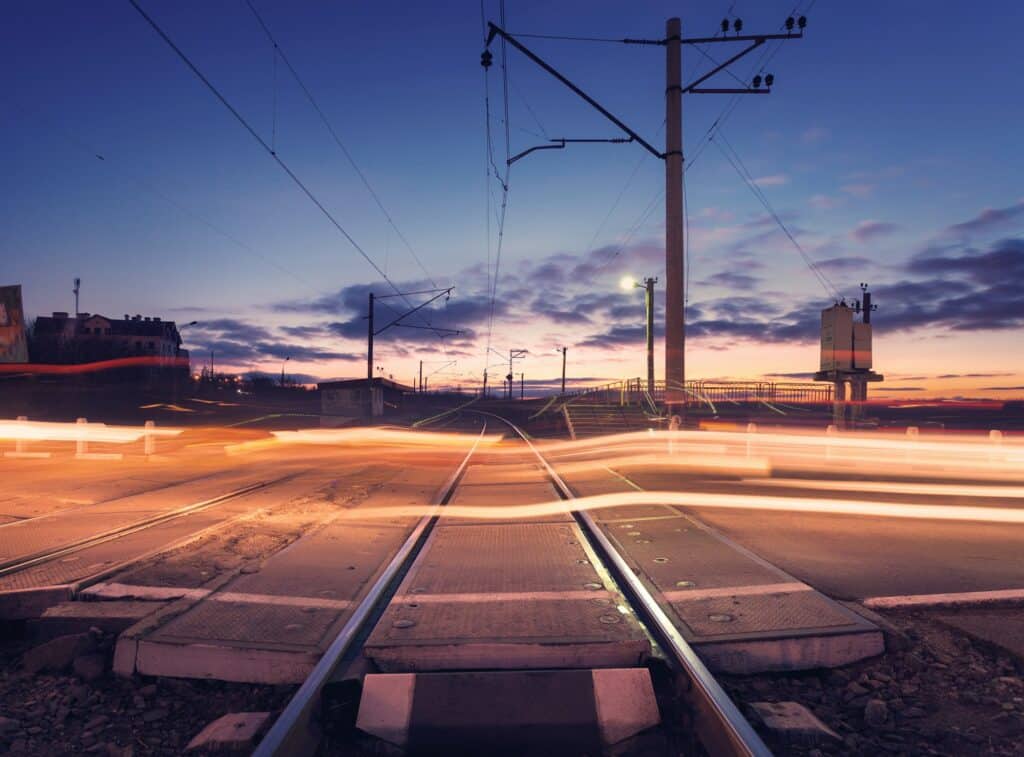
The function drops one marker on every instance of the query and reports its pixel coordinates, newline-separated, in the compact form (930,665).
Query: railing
(634,392)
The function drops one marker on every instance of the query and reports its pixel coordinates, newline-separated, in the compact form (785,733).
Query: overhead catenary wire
(495,275)
(267,148)
(279,51)
(737,163)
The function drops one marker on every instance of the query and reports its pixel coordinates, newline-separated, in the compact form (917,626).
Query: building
(90,338)
(351,397)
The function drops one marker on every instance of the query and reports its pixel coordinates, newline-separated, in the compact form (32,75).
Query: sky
(887,149)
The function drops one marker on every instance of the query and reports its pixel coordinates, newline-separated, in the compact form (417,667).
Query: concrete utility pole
(421,377)
(522,386)
(649,308)
(564,350)
(369,347)
(675,320)
(675,324)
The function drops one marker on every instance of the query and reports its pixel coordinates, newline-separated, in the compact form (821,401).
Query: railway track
(32,581)
(712,719)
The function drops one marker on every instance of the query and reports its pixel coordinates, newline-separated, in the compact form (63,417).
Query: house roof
(356,383)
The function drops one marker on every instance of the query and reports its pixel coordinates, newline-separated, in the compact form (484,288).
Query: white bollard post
(82,445)
(673,427)
(912,433)
(19,443)
(149,439)
(995,436)
(830,431)
(751,430)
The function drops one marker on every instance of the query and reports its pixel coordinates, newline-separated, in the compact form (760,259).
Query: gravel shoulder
(936,691)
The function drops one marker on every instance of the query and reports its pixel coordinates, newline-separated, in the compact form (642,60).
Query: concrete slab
(235,731)
(272,625)
(794,723)
(563,711)
(79,617)
(742,614)
(502,595)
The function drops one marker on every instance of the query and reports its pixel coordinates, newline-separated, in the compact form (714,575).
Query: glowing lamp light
(627,282)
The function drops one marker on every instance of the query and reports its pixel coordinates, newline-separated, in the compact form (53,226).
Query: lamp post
(628,282)
(289,357)
(563,350)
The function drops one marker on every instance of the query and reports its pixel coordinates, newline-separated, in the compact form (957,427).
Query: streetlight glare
(627,282)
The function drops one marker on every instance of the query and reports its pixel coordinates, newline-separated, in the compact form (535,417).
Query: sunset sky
(890,147)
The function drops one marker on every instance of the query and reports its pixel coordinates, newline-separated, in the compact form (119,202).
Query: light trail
(893,487)
(73,432)
(706,500)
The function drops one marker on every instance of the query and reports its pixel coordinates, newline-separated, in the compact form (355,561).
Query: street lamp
(563,350)
(289,357)
(627,283)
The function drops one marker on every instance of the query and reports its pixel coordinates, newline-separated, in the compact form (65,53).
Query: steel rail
(293,732)
(22,563)
(720,725)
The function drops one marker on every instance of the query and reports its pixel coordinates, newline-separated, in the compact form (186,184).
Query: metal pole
(522,386)
(675,326)
(510,376)
(649,302)
(369,354)
(483,394)
(564,349)
(421,377)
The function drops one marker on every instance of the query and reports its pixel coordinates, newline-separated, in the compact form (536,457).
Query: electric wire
(503,181)
(277,158)
(737,163)
(279,51)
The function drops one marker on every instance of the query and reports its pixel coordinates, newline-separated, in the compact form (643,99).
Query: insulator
(757,81)
(725,25)
(486,59)
(737,25)
(789,23)
(769,79)
(802,22)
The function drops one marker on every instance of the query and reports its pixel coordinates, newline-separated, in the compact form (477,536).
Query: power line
(337,140)
(737,163)
(277,158)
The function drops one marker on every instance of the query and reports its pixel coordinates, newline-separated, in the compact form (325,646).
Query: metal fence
(634,392)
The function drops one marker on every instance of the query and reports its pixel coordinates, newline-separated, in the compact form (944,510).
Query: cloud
(858,189)
(732,280)
(824,202)
(234,341)
(1002,388)
(844,265)
(988,219)
(868,231)
(971,375)
(774,180)
(814,134)
(1003,262)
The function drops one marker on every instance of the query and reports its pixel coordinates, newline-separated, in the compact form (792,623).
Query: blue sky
(890,126)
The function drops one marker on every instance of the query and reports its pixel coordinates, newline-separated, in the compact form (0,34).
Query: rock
(57,653)
(8,725)
(148,691)
(95,722)
(151,716)
(19,745)
(79,693)
(90,667)
(876,713)
(855,690)
(236,731)
(793,722)
(1011,681)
